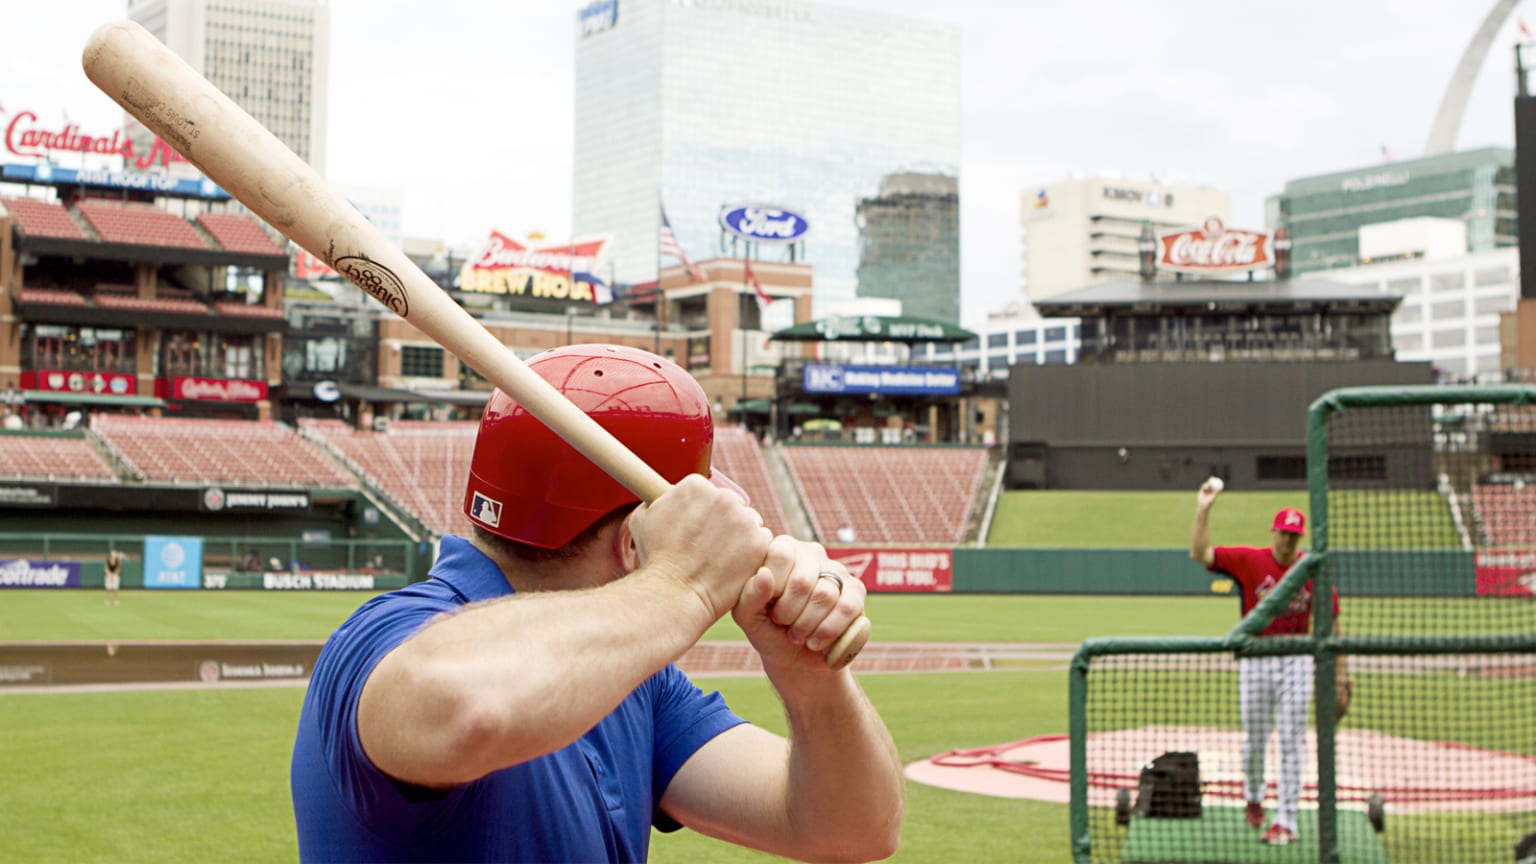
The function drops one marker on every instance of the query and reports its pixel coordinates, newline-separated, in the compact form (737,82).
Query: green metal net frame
(1321,644)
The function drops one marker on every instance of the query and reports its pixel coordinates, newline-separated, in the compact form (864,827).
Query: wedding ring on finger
(837,580)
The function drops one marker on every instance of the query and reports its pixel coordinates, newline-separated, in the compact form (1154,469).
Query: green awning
(67,398)
(873,328)
(802,408)
(750,406)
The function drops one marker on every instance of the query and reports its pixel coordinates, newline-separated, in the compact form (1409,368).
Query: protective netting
(1425,523)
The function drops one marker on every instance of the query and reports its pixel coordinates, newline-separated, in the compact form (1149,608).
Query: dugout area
(1434,562)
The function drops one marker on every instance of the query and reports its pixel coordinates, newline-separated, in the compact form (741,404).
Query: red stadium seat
(422,467)
(888,494)
(257,453)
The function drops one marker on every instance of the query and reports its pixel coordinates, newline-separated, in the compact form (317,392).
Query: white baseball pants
(1274,693)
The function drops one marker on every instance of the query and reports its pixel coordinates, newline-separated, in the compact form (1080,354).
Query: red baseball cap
(1290,520)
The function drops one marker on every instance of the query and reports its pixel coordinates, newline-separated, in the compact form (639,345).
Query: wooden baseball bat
(231,148)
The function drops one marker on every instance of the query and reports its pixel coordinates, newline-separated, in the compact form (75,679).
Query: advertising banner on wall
(74,381)
(558,273)
(30,573)
(898,569)
(1506,572)
(891,380)
(211,389)
(173,562)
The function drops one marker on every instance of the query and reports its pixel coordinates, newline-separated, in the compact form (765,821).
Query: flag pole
(656,295)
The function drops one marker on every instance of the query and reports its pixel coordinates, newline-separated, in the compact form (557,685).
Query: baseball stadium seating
(139,224)
(238,234)
(53,457)
(51,296)
(421,466)
(217,451)
(35,218)
(738,454)
(887,494)
(1506,512)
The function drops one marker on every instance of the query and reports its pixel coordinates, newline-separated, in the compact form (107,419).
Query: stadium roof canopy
(873,328)
(1213,293)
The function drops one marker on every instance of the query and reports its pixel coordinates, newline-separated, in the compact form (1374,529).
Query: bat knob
(849,644)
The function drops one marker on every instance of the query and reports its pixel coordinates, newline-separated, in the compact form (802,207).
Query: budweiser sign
(1213,248)
(219,389)
(564,271)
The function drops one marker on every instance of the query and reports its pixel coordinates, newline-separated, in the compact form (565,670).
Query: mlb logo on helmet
(1290,520)
(485,510)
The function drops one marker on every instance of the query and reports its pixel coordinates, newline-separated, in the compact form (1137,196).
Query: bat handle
(849,644)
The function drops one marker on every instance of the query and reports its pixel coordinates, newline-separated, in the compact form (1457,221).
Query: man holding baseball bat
(1274,691)
(522,703)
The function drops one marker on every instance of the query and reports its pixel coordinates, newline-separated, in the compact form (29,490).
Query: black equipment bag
(1170,787)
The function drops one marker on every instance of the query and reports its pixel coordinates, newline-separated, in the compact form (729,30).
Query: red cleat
(1278,835)
(1255,815)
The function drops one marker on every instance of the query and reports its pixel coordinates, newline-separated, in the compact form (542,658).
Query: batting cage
(1423,509)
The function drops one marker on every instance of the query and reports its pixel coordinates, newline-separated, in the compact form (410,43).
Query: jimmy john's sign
(1214,248)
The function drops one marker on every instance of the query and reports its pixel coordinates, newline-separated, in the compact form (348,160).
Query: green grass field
(201,775)
(274,615)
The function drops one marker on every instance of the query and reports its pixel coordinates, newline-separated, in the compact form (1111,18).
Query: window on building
(1408,314)
(1057,356)
(1024,337)
(1441,283)
(1449,310)
(997,340)
(1055,334)
(1491,276)
(1448,338)
(421,361)
(1363,467)
(1491,305)
(1280,468)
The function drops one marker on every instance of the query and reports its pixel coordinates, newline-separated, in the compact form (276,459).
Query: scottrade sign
(893,380)
(764,223)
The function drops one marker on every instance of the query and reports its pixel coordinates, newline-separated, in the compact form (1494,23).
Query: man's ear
(624,547)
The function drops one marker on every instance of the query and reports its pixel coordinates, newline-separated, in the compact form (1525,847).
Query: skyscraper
(270,56)
(702,105)
(910,245)
(1324,213)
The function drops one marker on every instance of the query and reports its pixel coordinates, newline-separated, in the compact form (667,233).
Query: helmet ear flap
(528,485)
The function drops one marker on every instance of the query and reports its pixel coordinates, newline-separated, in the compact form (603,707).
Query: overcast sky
(465,105)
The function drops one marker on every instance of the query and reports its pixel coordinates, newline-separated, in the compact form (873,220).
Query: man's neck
(555,574)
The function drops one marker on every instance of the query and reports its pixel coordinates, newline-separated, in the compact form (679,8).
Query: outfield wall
(969,570)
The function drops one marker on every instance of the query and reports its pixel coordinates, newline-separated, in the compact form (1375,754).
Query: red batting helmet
(528,485)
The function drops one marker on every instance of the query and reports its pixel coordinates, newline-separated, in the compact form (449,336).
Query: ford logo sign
(764,223)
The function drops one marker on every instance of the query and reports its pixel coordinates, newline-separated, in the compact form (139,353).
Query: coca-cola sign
(219,389)
(1213,248)
(764,223)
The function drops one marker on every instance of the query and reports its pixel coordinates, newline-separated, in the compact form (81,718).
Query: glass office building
(701,105)
(1324,214)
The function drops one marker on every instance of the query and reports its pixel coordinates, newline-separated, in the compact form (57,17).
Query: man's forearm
(1200,536)
(510,680)
(846,796)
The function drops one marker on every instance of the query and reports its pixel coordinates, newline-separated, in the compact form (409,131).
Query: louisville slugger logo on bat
(377,280)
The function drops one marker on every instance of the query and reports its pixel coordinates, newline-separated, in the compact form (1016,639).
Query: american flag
(672,249)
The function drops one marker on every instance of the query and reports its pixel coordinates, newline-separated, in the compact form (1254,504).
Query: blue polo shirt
(594,800)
